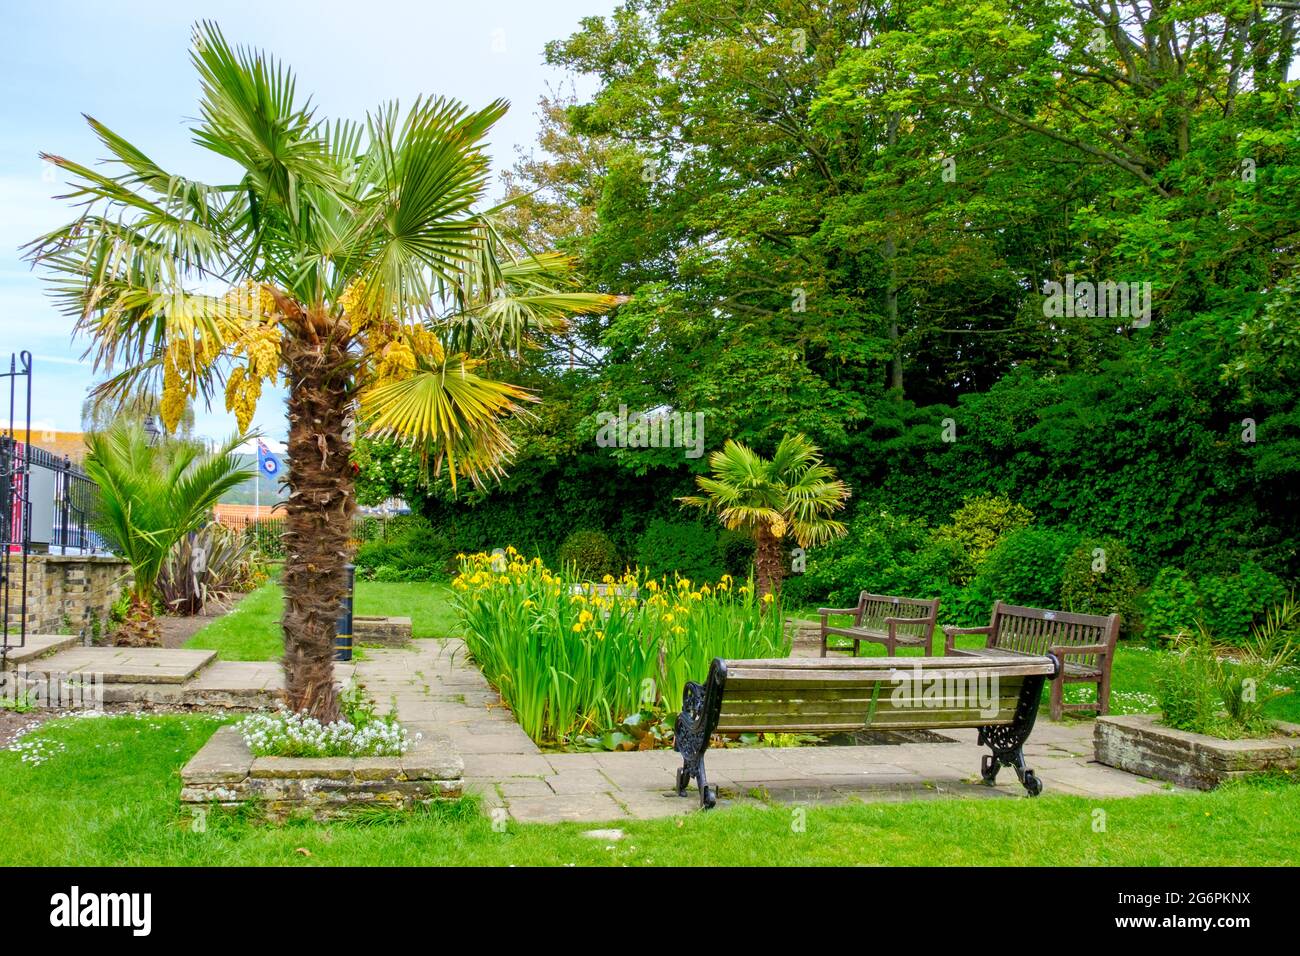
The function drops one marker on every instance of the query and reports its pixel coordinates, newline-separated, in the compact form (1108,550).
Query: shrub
(414,551)
(1026,567)
(1233,603)
(1101,578)
(1170,605)
(1227,605)
(737,551)
(978,525)
(592,553)
(210,565)
(685,547)
(1203,690)
(884,553)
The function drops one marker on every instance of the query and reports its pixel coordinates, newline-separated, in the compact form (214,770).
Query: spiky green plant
(1209,689)
(150,497)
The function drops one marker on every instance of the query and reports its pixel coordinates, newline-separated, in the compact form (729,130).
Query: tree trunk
(318,521)
(139,628)
(769,562)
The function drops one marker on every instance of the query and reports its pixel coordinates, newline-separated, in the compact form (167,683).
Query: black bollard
(343,627)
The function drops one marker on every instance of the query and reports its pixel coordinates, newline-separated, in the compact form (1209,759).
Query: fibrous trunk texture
(138,628)
(769,559)
(318,521)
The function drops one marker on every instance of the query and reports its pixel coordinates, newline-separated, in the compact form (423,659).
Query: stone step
(38,646)
(130,665)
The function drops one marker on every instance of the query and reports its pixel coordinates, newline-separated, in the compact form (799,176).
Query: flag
(267,463)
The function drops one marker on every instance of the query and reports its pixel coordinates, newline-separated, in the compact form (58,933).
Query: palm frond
(450,414)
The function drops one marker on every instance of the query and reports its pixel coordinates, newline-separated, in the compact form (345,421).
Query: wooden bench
(1084,643)
(885,619)
(815,695)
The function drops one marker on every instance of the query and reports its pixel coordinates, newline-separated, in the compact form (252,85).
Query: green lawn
(251,631)
(107,794)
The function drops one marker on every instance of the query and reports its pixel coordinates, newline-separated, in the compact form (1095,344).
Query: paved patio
(433,684)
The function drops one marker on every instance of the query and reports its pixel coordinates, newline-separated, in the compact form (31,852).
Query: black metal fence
(61,500)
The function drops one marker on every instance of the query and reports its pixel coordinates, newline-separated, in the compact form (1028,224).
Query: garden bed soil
(14,724)
(177,629)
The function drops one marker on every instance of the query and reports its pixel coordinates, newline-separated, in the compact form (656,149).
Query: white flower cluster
(38,750)
(289,734)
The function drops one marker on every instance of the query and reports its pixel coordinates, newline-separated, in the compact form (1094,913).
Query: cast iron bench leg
(1007,741)
(691,739)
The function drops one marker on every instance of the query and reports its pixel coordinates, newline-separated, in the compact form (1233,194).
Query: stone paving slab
(37,646)
(557,808)
(131,665)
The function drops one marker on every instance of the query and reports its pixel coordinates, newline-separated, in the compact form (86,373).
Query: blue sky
(127,64)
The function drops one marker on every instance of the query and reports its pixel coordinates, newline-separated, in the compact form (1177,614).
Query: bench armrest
(950,632)
(836,610)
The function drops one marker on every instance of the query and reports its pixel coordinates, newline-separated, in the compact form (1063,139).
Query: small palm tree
(354,259)
(790,493)
(150,497)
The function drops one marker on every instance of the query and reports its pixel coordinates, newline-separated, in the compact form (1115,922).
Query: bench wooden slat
(948,720)
(868,664)
(859,705)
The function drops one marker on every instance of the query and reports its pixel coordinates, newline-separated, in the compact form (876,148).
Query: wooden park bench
(1084,643)
(884,619)
(822,696)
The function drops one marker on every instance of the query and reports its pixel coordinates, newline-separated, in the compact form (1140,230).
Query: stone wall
(224,773)
(374,629)
(66,594)
(1139,744)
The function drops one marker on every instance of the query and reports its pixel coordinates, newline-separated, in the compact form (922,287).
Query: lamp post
(151,431)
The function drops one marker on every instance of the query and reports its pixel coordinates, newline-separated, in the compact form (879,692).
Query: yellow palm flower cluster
(395,360)
(186,358)
(352,302)
(242,323)
(242,393)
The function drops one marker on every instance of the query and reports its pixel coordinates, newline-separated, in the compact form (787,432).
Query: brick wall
(66,594)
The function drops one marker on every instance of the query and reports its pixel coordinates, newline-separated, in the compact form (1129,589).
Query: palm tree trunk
(768,561)
(139,628)
(318,521)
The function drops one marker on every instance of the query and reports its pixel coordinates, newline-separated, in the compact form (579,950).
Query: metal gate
(15,504)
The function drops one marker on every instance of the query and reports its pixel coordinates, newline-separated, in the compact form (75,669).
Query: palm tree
(353,259)
(150,497)
(792,492)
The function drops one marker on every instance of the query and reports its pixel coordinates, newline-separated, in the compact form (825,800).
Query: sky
(126,63)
